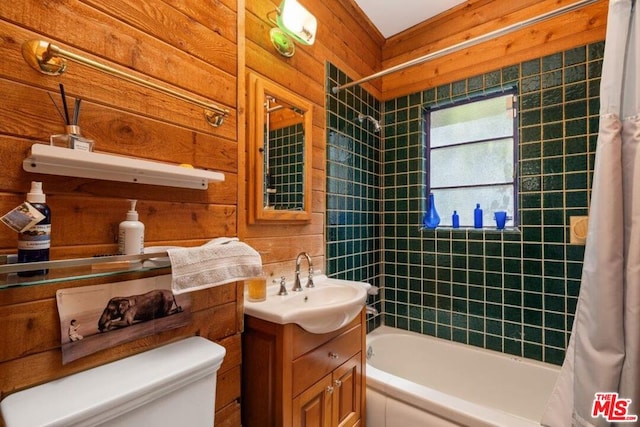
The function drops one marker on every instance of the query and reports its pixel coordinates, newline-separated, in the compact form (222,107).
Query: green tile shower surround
(515,291)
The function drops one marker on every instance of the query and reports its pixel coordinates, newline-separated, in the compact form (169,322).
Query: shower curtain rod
(468,43)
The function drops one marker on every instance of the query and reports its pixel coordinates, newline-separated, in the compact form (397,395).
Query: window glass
(472,164)
(471,158)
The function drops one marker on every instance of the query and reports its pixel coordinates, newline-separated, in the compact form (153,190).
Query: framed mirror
(280,153)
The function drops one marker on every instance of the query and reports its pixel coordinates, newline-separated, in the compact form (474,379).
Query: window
(472,157)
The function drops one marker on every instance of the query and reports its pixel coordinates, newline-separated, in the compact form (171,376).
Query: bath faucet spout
(296,284)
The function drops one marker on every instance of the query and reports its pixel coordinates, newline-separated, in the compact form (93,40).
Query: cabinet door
(347,381)
(313,407)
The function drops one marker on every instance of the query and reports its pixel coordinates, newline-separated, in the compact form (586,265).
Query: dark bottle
(34,243)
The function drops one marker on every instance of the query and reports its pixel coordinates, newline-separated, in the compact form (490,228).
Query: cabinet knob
(338,383)
(333,355)
(330,390)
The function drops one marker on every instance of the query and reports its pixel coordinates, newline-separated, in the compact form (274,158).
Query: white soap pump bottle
(131,233)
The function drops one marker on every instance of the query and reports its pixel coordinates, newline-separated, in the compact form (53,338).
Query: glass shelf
(79,268)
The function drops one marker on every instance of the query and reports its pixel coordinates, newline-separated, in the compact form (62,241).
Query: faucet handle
(310,279)
(283,288)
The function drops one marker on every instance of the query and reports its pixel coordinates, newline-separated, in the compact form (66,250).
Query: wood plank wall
(346,38)
(203,48)
(189,46)
(477,17)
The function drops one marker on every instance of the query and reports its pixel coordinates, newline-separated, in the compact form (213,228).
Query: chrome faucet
(296,283)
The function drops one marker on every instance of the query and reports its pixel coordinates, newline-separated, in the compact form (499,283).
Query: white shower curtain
(603,354)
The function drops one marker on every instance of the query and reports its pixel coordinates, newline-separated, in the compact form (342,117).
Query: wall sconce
(294,22)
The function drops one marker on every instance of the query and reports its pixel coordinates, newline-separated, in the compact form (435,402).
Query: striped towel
(220,261)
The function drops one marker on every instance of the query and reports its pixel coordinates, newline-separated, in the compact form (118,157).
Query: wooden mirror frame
(258,89)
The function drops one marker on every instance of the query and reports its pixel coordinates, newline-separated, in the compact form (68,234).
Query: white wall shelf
(49,159)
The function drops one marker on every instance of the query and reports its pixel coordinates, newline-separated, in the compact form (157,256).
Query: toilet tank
(173,385)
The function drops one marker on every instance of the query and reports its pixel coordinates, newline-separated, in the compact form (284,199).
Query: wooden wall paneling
(94,221)
(373,35)
(316,226)
(578,28)
(35,325)
(104,89)
(342,39)
(347,36)
(179,29)
(483,20)
(30,113)
(229,416)
(14,150)
(297,82)
(31,327)
(282,249)
(228,386)
(83,29)
(465,21)
(44,366)
(319,146)
(187,45)
(275,270)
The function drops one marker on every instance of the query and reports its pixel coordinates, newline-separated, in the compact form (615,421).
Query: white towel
(217,262)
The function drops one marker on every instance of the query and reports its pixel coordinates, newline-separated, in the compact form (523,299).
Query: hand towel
(217,262)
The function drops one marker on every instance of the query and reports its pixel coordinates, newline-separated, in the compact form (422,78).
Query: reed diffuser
(72,138)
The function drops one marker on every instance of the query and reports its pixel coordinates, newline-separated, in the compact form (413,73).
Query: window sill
(508,230)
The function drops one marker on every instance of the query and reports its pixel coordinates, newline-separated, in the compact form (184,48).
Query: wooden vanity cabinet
(293,378)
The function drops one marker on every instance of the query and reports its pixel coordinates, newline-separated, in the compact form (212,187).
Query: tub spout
(371,310)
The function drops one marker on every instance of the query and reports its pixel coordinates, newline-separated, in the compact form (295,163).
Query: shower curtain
(603,354)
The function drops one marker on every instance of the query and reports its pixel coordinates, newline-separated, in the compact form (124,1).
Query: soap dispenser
(131,233)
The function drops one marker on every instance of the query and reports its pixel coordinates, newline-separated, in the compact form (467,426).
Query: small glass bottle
(431,218)
(72,139)
(455,220)
(477,216)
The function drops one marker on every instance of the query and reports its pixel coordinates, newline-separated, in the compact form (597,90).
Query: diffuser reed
(72,138)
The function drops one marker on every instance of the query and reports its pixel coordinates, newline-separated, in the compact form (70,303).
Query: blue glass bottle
(455,220)
(477,216)
(431,218)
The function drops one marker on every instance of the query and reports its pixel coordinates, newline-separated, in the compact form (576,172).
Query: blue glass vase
(431,218)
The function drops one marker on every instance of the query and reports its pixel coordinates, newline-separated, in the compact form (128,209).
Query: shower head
(376,124)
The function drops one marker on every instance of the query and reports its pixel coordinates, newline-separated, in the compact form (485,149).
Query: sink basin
(329,306)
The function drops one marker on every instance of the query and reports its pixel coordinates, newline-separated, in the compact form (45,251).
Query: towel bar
(51,60)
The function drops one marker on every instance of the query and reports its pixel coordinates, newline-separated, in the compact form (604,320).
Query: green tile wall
(514,292)
(353,187)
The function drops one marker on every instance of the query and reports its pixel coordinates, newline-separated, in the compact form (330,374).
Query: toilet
(173,385)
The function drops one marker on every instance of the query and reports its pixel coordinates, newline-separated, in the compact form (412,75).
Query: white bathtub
(418,380)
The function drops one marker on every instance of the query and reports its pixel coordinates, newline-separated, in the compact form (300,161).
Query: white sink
(329,306)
